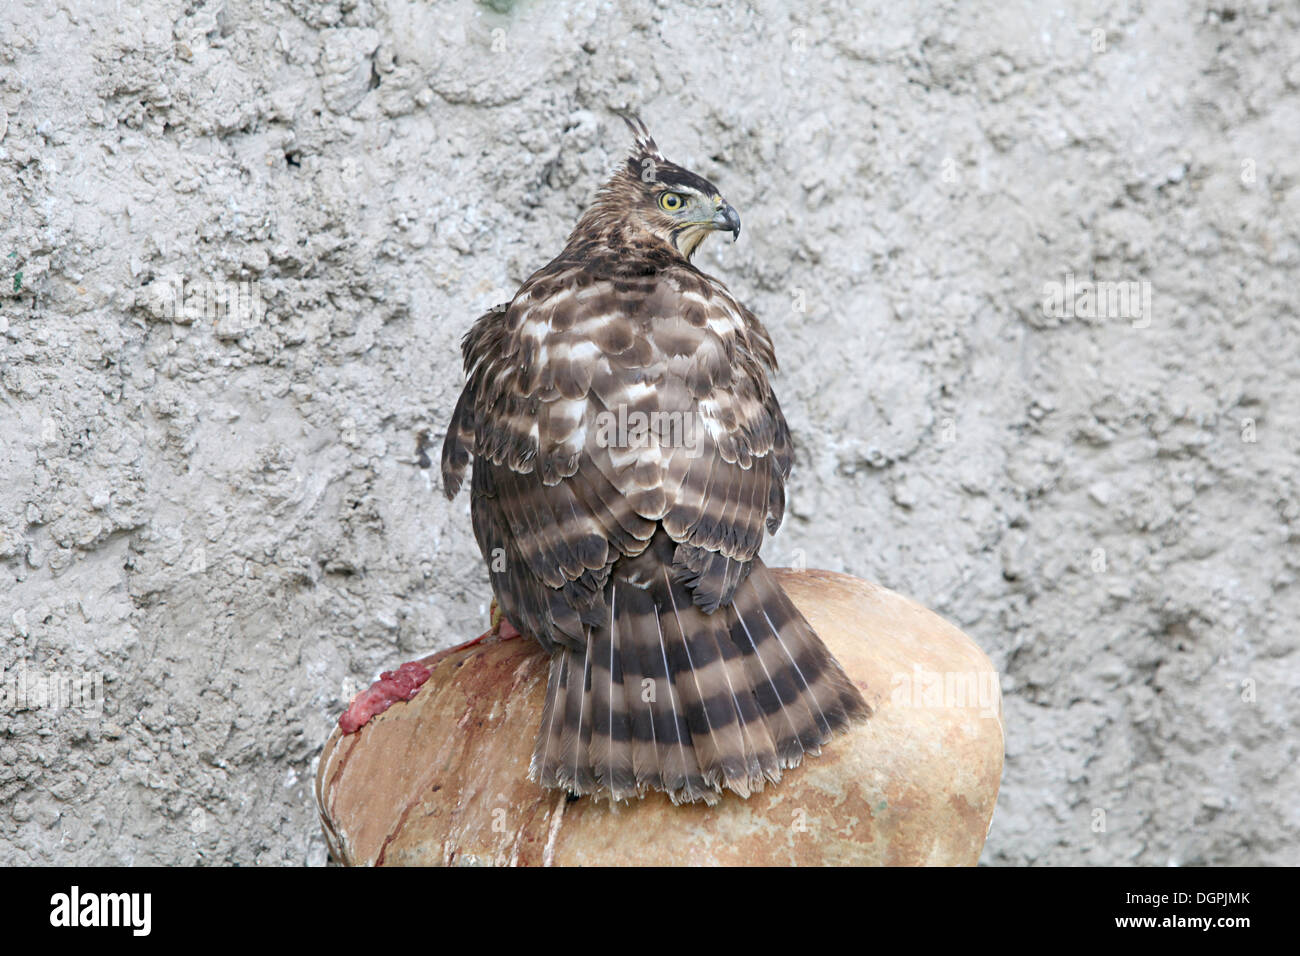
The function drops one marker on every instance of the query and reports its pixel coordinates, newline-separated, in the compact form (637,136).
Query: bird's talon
(503,629)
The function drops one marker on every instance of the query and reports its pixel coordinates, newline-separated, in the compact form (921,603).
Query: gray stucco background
(224,517)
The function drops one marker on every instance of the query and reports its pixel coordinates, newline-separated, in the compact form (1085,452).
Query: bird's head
(651,196)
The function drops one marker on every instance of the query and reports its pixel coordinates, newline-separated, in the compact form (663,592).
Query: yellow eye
(670,201)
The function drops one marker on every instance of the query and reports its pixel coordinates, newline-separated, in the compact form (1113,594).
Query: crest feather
(644,143)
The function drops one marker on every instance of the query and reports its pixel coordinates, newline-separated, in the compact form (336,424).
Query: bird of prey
(628,453)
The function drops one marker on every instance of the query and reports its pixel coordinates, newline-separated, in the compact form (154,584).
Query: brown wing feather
(572,347)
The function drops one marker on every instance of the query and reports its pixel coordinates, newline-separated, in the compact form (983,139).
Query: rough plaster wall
(228,520)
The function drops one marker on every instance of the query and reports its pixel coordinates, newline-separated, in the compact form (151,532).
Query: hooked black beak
(727,220)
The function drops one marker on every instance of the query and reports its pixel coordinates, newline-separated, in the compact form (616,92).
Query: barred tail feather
(611,734)
(575,770)
(637,684)
(668,697)
(547,749)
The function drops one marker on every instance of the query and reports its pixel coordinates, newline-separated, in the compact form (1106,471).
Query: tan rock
(442,779)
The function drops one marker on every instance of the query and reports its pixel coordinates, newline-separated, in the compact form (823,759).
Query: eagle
(628,455)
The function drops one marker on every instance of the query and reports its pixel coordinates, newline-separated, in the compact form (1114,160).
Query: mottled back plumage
(628,455)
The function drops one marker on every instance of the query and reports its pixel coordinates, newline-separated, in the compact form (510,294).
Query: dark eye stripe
(672,175)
